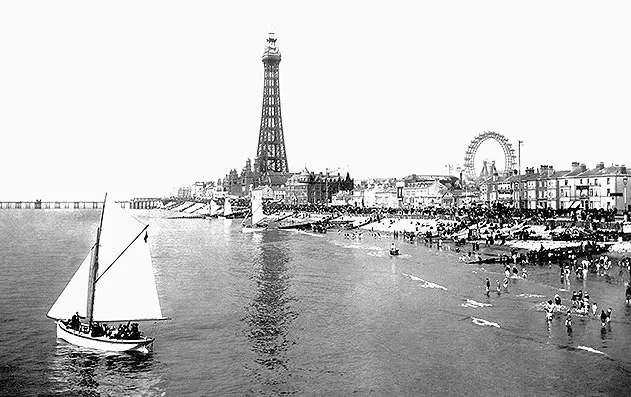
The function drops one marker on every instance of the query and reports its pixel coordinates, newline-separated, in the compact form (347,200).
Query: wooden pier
(135,203)
(38,204)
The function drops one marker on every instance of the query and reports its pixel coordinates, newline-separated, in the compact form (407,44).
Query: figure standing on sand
(488,286)
(557,300)
(497,283)
(549,310)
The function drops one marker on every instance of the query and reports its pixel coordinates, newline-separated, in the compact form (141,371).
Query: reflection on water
(269,314)
(78,371)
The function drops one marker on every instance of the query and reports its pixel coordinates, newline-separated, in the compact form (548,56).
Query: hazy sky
(139,97)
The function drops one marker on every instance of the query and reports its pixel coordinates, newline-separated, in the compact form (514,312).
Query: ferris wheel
(469,157)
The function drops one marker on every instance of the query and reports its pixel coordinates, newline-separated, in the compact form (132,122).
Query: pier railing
(143,203)
(51,204)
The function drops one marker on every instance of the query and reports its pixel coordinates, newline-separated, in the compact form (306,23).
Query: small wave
(377,254)
(374,248)
(426,284)
(311,233)
(531,296)
(589,349)
(472,303)
(480,321)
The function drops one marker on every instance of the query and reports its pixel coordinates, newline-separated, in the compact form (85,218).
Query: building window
(565,182)
(608,181)
(581,181)
(608,192)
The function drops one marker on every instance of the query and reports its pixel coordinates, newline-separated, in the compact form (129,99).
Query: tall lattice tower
(271,156)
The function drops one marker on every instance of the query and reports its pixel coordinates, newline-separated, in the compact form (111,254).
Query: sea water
(293,313)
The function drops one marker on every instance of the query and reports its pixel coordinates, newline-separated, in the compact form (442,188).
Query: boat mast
(94,267)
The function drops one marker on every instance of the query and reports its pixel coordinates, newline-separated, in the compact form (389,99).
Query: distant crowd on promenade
(496,214)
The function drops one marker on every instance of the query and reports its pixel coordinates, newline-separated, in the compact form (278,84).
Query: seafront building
(577,188)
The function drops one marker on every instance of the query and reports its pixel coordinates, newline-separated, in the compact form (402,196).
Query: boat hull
(102,343)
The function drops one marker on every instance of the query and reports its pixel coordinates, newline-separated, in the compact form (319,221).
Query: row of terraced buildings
(577,188)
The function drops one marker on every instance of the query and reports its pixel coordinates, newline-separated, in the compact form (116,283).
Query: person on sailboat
(75,322)
(134,333)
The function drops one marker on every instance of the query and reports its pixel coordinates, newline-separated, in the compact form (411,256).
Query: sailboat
(227,208)
(256,209)
(114,284)
(214,209)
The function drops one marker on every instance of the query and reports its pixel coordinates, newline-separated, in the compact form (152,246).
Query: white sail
(125,286)
(227,207)
(214,208)
(74,296)
(257,210)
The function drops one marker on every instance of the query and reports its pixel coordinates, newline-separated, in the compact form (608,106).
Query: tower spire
(271,156)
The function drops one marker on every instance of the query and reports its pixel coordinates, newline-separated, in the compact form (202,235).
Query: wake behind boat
(114,284)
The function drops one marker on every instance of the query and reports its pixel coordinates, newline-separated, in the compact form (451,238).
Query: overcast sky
(140,97)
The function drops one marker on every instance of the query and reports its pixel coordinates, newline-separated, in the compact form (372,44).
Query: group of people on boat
(96,329)
(123,331)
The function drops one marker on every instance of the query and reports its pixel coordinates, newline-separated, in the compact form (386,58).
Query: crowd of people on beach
(495,213)
(487,222)
(486,225)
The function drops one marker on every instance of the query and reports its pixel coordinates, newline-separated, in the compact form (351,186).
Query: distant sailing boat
(227,208)
(256,208)
(214,209)
(115,283)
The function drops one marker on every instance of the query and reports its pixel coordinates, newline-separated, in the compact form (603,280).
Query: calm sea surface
(293,313)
